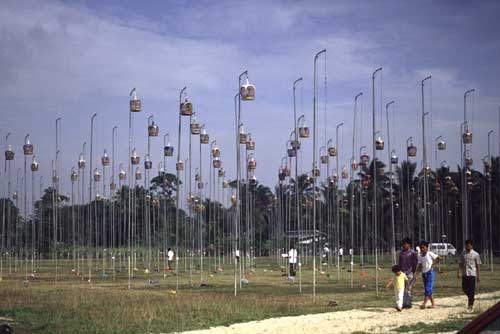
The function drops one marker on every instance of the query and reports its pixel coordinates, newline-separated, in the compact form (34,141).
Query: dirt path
(375,320)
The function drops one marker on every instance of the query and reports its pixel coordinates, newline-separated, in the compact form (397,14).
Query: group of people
(411,264)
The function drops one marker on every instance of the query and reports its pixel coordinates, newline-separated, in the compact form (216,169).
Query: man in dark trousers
(468,267)
(408,263)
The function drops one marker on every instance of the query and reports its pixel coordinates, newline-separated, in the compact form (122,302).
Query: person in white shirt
(426,261)
(292,260)
(170,258)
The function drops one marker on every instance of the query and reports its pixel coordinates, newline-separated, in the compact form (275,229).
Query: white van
(443,249)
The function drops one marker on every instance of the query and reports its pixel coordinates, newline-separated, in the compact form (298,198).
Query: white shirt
(170,255)
(237,253)
(292,256)
(426,260)
(341,251)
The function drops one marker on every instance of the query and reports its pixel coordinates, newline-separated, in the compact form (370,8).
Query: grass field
(75,306)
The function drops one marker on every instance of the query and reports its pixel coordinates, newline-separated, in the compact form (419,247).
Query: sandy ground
(376,320)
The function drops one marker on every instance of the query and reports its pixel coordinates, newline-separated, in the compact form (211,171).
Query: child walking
(468,267)
(399,281)
(426,262)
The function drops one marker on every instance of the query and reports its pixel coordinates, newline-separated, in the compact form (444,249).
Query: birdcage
(221,172)
(153,129)
(394,158)
(97,175)
(225,184)
(9,153)
(135,159)
(98,197)
(281,175)
(354,164)
(105,159)
(233,199)
(200,185)
(345,173)
(168,150)
(441,145)
(179,166)
(195,126)
(74,175)
(247,91)
(138,174)
(250,144)
(148,197)
(34,165)
(332,151)
(324,159)
(467,136)
(14,195)
(112,186)
(316,172)
(135,103)
(411,150)
(186,108)
(253,180)
(364,159)
(427,171)
(303,130)
(27,147)
(215,151)
(156,202)
(252,164)
(468,159)
(291,152)
(216,163)
(122,175)
(242,135)
(81,161)
(295,144)
(148,164)
(379,144)
(204,137)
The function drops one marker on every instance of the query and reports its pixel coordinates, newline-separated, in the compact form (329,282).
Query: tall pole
(314,168)
(352,195)
(393,239)
(177,195)
(337,209)
(424,152)
(374,130)
(490,164)
(465,213)
(90,193)
(297,208)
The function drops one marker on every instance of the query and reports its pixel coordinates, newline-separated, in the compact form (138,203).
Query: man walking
(468,267)
(408,263)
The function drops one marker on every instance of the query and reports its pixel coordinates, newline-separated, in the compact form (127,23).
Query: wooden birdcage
(135,103)
(135,159)
(138,174)
(379,144)
(332,151)
(9,153)
(215,152)
(153,130)
(216,163)
(252,164)
(411,150)
(97,175)
(247,91)
(105,159)
(364,159)
(179,166)
(34,165)
(186,108)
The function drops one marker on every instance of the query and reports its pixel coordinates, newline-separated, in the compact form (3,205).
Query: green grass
(106,306)
(452,324)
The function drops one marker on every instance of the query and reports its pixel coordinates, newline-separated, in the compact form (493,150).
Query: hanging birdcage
(34,165)
(179,166)
(242,135)
(98,197)
(468,174)
(9,153)
(74,175)
(122,175)
(295,144)
(250,144)
(215,151)
(345,173)
(324,159)
(394,158)
(14,195)
(200,185)
(281,175)
(427,171)
(291,152)
(467,136)
(233,199)
(148,197)
(331,181)
(195,126)
(153,129)
(303,130)
(364,159)
(411,150)
(252,164)
(225,184)
(190,199)
(135,103)
(221,172)
(379,144)
(316,172)
(112,185)
(354,164)
(148,164)
(204,137)
(138,174)
(441,145)
(286,171)
(308,180)
(168,150)
(27,147)
(186,108)
(135,159)
(105,159)
(81,161)
(156,202)
(247,91)
(216,163)
(447,180)
(97,175)
(332,151)
(253,180)
(197,177)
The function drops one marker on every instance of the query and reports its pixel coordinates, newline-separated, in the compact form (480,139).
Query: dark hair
(469,242)
(424,243)
(396,268)
(406,241)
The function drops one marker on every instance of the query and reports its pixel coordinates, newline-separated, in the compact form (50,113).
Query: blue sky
(70,59)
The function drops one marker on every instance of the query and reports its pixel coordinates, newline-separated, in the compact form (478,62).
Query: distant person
(341,253)
(468,267)
(170,258)
(326,253)
(292,260)
(399,281)
(237,256)
(426,262)
(408,261)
